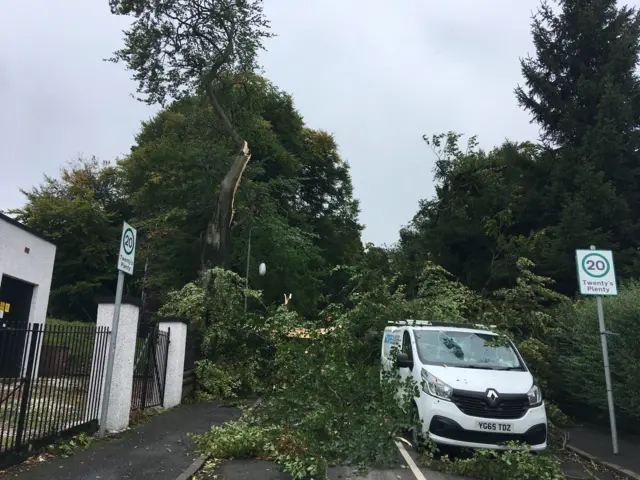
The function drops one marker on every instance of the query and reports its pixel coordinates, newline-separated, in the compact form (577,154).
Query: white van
(478,391)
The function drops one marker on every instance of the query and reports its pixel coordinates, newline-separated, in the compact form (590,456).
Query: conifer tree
(582,89)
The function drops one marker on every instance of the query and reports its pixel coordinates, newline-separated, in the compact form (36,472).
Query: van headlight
(435,387)
(535,396)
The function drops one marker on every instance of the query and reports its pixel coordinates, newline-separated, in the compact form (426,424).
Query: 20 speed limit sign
(127,255)
(596,273)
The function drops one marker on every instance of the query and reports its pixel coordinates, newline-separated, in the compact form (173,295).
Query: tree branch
(226,123)
(209,82)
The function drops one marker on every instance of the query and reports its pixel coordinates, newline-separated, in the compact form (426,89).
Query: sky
(377,74)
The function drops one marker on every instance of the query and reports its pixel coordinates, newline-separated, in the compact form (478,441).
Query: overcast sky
(378,74)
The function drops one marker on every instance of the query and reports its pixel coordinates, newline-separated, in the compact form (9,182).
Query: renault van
(475,388)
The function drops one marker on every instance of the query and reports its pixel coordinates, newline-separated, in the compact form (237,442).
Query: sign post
(597,276)
(126,260)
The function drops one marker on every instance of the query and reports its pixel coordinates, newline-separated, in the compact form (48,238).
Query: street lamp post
(246,278)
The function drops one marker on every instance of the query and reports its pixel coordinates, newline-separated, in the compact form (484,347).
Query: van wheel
(418,438)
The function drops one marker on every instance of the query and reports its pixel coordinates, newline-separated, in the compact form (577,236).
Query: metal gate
(150,367)
(54,388)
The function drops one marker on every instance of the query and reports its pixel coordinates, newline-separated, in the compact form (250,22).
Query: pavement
(157,449)
(594,441)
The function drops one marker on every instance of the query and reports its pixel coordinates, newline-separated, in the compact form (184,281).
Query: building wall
(35,267)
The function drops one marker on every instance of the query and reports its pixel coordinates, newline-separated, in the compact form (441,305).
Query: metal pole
(607,372)
(246,277)
(112,354)
(144,285)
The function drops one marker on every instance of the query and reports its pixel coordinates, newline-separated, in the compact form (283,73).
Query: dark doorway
(13,324)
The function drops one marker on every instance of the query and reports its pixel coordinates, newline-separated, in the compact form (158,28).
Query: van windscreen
(466,350)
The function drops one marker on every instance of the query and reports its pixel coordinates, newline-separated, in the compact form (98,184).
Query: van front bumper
(446,431)
(446,424)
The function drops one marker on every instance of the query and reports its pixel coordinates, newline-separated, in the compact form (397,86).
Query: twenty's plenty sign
(127,249)
(596,273)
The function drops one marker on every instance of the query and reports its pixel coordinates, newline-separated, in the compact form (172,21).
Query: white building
(26,269)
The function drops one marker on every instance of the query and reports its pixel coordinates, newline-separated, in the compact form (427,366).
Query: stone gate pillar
(177,328)
(122,379)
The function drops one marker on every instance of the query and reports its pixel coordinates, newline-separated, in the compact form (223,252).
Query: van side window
(406,345)
(388,342)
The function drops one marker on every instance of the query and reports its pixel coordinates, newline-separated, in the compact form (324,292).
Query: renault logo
(492,397)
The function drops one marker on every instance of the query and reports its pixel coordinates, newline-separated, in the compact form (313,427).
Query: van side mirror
(403,361)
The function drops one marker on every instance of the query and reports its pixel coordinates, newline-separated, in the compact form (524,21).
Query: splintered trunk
(218,239)
(217,248)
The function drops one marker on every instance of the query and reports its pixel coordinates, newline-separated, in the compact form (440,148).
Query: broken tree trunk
(217,251)
(219,229)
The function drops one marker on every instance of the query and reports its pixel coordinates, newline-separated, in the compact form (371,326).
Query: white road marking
(412,465)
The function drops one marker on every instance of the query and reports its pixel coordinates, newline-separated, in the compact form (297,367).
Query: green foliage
(482,218)
(525,313)
(188,302)
(505,465)
(294,255)
(216,381)
(520,305)
(579,383)
(235,350)
(556,417)
(67,447)
(236,439)
(325,403)
(177,48)
(443,299)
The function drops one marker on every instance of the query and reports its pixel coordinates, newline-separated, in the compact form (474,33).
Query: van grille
(476,404)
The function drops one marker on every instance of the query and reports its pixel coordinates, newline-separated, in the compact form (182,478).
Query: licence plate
(494,427)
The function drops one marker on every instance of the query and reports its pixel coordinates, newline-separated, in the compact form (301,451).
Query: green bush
(578,382)
(217,381)
(237,348)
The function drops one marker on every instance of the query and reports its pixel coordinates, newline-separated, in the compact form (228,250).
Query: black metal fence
(150,367)
(47,387)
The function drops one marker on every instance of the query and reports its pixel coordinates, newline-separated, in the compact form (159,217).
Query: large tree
(82,211)
(178,48)
(483,218)
(583,91)
(296,203)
